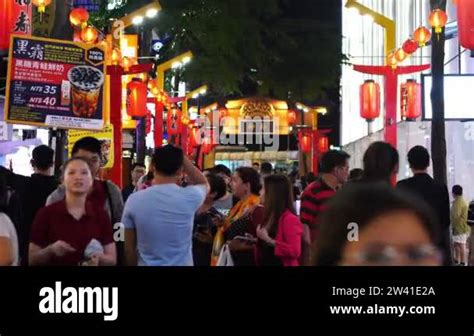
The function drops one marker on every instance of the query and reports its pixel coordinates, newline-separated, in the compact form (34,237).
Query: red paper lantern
(173,121)
(291,117)
(369,100)
(400,55)
(323,144)
(410,46)
(79,17)
(422,35)
(305,141)
(41,4)
(136,98)
(89,35)
(437,20)
(466,23)
(410,103)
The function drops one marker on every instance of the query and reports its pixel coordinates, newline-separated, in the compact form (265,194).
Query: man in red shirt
(334,171)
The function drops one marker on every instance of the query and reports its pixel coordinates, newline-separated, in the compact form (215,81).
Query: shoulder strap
(109,200)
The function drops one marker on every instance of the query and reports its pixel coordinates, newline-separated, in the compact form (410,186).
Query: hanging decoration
(136,98)
(410,103)
(79,17)
(422,36)
(173,121)
(370,100)
(465,15)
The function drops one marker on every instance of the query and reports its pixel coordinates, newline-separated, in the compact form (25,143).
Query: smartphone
(246,239)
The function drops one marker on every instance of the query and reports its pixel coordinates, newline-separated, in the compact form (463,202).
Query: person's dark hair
(356,174)
(278,199)
(256,164)
(310,178)
(43,157)
(380,162)
(333,159)
(418,158)
(251,176)
(138,164)
(457,190)
(361,203)
(89,144)
(266,168)
(222,169)
(293,176)
(167,160)
(217,185)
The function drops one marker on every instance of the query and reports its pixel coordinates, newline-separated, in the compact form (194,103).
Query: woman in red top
(72,231)
(280,234)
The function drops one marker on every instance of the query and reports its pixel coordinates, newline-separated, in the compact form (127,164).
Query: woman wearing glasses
(374,225)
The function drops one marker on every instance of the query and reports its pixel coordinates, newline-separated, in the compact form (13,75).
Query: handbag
(225,257)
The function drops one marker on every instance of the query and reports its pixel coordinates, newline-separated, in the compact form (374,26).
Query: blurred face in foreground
(77,177)
(397,238)
(93,158)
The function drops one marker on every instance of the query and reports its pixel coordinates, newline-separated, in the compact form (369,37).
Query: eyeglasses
(380,255)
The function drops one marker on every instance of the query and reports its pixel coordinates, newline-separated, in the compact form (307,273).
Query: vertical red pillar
(315,136)
(390,122)
(158,124)
(184,138)
(115,73)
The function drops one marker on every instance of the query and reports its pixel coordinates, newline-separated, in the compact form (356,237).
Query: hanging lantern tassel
(41,4)
(392,60)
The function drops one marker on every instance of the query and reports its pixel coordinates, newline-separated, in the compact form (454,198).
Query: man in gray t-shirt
(159,220)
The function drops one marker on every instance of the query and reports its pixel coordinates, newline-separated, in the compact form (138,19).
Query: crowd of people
(176,215)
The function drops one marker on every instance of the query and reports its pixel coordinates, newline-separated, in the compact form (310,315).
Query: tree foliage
(241,46)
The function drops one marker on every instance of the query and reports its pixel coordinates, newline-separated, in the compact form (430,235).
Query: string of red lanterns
(421,37)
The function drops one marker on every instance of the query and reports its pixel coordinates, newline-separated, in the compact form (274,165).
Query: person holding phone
(205,221)
(62,231)
(238,230)
(280,235)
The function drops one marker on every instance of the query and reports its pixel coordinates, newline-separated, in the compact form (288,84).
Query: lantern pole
(116,72)
(314,111)
(391,93)
(317,134)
